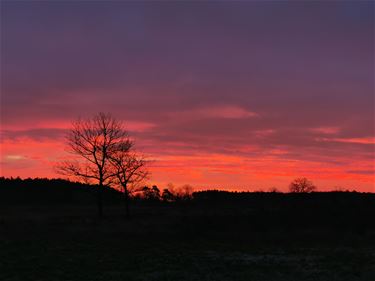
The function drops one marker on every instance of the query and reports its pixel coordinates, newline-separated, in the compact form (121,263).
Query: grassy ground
(55,243)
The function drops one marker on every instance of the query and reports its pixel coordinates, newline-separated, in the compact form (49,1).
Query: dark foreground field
(242,237)
(174,243)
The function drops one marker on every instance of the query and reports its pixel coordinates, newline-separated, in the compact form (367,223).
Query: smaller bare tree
(274,190)
(185,192)
(130,170)
(302,185)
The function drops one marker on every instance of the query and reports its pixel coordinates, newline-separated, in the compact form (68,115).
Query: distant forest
(52,191)
(350,211)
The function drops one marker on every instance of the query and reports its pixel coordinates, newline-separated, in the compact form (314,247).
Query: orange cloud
(370,140)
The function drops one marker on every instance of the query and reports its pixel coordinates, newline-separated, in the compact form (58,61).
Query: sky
(236,95)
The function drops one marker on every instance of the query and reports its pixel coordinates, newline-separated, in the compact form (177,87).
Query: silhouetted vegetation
(106,155)
(14,191)
(43,191)
(263,210)
(302,185)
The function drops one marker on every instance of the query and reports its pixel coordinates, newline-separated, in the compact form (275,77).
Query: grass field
(173,243)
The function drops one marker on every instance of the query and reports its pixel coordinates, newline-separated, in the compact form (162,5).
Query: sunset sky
(230,95)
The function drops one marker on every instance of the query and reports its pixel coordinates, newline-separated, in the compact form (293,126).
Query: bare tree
(185,192)
(301,185)
(94,140)
(129,170)
(167,196)
(274,190)
(171,193)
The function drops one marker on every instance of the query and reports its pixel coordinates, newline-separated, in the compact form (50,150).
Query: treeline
(59,191)
(44,190)
(210,210)
(333,202)
(49,191)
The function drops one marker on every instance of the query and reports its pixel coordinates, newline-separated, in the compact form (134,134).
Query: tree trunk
(99,201)
(126,200)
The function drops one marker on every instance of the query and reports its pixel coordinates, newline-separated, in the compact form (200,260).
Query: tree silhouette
(185,192)
(167,196)
(151,194)
(301,185)
(129,170)
(95,140)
